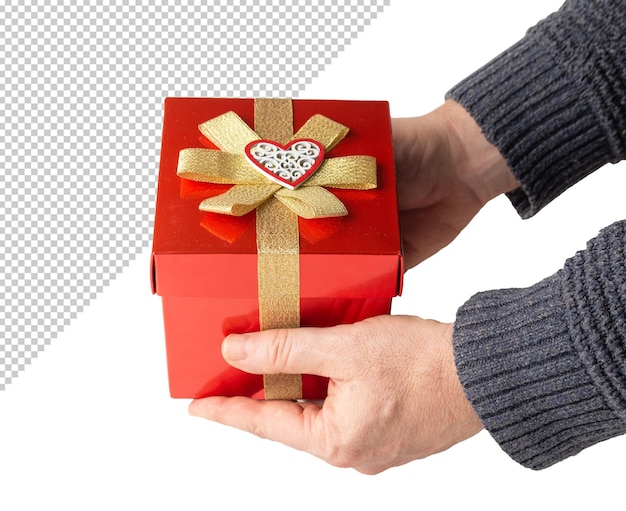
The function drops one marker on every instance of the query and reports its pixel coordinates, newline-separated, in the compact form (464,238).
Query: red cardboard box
(205,264)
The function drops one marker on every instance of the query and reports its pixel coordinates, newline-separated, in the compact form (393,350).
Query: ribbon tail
(239,200)
(326,131)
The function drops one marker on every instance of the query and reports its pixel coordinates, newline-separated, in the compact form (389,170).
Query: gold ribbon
(277,208)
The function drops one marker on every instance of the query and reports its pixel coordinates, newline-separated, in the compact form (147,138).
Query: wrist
(477,163)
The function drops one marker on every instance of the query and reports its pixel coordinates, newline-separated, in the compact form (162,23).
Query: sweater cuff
(525,380)
(531,105)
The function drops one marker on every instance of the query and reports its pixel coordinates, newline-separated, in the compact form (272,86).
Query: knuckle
(344,453)
(257,430)
(278,348)
(370,471)
(342,459)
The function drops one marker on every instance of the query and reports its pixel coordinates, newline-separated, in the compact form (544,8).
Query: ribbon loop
(228,132)
(347,172)
(222,167)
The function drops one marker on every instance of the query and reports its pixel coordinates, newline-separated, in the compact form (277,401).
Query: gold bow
(277,208)
(230,166)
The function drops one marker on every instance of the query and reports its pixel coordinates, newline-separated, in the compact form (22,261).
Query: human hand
(393,395)
(446,172)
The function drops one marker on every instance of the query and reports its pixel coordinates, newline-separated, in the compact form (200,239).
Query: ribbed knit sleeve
(545,367)
(555,103)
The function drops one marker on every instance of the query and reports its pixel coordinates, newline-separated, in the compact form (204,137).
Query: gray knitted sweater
(545,367)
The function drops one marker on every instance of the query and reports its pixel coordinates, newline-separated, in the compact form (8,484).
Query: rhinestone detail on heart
(288,165)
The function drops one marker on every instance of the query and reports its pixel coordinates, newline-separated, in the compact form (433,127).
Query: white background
(90,424)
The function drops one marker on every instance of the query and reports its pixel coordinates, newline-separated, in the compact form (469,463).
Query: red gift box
(206,264)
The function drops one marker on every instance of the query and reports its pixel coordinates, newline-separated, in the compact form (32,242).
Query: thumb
(299,350)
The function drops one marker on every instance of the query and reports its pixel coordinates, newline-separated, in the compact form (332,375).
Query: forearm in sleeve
(545,367)
(555,103)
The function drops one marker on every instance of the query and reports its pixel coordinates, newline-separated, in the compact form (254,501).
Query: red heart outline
(291,185)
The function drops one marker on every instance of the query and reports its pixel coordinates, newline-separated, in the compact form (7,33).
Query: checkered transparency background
(82,87)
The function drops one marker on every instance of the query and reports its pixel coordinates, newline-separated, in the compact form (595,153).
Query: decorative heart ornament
(288,165)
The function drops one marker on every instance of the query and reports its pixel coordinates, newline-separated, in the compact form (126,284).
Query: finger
(319,351)
(283,421)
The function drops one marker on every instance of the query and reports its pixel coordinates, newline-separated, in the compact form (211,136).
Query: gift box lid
(207,254)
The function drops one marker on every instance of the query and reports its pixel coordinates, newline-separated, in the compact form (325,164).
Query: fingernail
(235,347)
